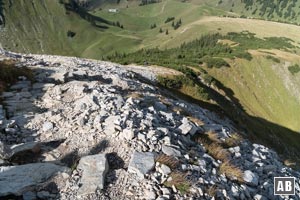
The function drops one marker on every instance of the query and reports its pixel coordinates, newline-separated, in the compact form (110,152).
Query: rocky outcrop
(123,139)
(17,179)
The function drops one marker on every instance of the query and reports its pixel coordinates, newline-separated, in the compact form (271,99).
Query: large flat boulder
(141,163)
(94,169)
(14,180)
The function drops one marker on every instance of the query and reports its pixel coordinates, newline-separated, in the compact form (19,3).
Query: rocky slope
(88,129)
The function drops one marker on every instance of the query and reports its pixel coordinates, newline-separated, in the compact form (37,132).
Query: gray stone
(269,168)
(141,163)
(235,191)
(10,131)
(150,195)
(110,124)
(187,127)
(128,134)
(94,169)
(259,197)
(15,179)
(142,137)
(165,191)
(4,151)
(29,196)
(43,195)
(20,85)
(29,146)
(47,126)
(119,102)
(165,169)
(168,116)
(167,140)
(160,106)
(250,178)
(170,151)
(1,112)
(7,152)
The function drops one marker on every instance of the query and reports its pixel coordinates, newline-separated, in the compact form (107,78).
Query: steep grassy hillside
(38,26)
(47,27)
(283,10)
(254,75)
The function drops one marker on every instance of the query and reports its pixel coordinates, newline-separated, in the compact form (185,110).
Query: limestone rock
(141,163)
(187,127)
(250,178)
(94,169)
(170,151)
(47,126)
(16,179)
(127,134)
(165,169)
(7,152)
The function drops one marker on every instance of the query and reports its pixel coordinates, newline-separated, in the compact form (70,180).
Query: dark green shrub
(273,58)
(294,69)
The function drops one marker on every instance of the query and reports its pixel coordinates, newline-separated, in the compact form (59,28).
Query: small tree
(167,32)
(160,30)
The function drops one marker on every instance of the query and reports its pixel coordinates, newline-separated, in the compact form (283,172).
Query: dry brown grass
(212,191)
(165,101)
(289,163)
(213,136)
(168,160)
(234,140)
(179,180)
(218,152)
(197,121)
(214,147)
(180,110)
(231,171)
(134,95)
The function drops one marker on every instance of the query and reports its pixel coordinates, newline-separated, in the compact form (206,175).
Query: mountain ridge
(83,118)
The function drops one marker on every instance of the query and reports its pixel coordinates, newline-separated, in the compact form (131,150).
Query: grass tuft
(170,161)
(179,180)
(234,140)
(212,191)
(218,152)
(213,136)
(134,95)
(197,121)
(231,171)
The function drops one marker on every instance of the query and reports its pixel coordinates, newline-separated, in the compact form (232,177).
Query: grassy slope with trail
(23,35)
